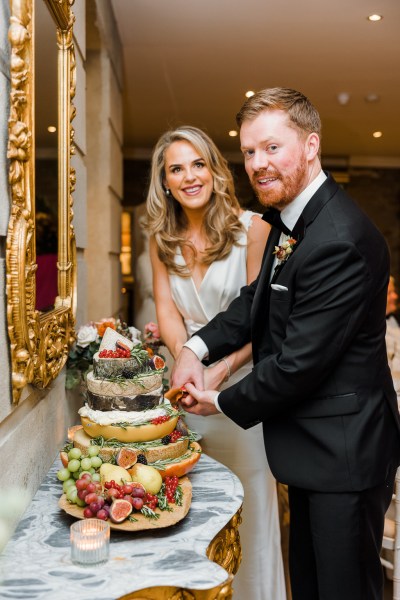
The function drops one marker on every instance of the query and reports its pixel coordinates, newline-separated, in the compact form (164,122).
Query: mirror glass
(46,167)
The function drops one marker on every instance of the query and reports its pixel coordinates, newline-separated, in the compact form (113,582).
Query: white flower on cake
(86,335)
(136,335)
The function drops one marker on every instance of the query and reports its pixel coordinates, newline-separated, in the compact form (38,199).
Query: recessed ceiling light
(371,97)
(377,134)
(343,98)
(249,94)
(51,129)
(233,133)
(375,18)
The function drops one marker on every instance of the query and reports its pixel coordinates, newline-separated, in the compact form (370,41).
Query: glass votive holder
(90,542)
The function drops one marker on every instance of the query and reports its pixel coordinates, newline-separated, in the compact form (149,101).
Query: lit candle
(90,539)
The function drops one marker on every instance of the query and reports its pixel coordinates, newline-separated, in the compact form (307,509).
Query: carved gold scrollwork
(38,341)
(225,548)
(221,592)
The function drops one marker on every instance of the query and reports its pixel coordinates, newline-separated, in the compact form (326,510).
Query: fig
(126,458)
(156,362)
(182,427)
(120,510)
(120,344)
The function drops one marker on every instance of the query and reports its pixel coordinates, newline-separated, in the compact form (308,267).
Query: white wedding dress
(260,576)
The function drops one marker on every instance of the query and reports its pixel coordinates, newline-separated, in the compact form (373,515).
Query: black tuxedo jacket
(321,384)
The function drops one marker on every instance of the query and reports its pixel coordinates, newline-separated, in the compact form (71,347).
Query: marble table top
(36,563)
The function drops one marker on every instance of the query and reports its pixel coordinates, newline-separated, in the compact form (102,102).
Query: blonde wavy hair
(166,220)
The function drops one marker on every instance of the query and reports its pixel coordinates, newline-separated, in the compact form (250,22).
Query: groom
(321,385)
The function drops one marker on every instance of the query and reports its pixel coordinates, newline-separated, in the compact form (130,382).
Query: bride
(203,249)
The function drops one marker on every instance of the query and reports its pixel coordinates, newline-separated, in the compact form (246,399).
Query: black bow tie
(273,217)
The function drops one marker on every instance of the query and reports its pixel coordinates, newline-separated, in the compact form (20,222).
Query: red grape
(82,494)
(89,498)
(81,484)
(102,514)
(137,503)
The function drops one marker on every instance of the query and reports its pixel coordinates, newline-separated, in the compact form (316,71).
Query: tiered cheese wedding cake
(126,408)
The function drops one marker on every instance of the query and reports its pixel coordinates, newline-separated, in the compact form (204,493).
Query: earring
(168,192)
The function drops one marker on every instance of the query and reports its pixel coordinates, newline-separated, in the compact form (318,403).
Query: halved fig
(156,362)
(120,344)
(120,510)
(126,457)
(182,427)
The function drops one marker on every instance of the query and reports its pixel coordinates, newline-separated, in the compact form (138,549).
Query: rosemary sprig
(179,496)
(132,519)
(149,513)
(140,354)
(163,502)
(123,381)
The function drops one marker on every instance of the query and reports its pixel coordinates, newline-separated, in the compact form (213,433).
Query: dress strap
(246,217)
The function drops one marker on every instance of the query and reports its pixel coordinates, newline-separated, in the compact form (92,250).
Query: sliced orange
(64,458)
(184,466)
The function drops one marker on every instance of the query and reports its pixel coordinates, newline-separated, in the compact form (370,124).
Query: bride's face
(187,176)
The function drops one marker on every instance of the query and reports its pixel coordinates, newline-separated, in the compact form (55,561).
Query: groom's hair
(301,112)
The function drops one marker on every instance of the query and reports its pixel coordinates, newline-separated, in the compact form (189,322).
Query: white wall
(104,163)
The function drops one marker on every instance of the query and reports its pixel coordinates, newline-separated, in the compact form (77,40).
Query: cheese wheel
(110,368)
(162,452)
(137,433)
(127,387)
(139,402)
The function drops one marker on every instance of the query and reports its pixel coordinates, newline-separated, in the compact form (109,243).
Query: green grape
(93,450)
(96,462)
(92,471)
(96,477)
(83,473)
(86,463)
(74,465)
(63,474)
(72,495)
(77,474)
(67,484)
(80,502)
(74,453)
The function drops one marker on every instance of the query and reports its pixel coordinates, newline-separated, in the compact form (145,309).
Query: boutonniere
(284,250)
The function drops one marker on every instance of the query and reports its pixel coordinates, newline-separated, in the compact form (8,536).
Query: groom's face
(275,157)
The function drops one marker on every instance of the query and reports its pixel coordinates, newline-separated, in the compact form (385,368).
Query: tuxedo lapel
(309,214)
(261,297)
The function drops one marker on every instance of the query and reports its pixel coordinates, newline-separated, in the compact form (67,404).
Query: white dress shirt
(289,216)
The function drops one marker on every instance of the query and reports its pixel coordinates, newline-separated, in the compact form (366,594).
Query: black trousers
(335,541)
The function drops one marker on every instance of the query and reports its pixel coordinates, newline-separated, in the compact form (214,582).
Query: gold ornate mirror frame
(39,341)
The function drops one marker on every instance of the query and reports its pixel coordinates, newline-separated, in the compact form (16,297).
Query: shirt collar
(292,212)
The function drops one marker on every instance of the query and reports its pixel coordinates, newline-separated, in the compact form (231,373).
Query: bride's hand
(215,376)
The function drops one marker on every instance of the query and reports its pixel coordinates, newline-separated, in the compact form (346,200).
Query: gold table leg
(225,550)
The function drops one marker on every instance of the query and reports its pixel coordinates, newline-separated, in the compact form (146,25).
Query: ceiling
(190,62)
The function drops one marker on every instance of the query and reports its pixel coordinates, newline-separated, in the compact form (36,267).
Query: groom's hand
(200,402)
(187,369)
